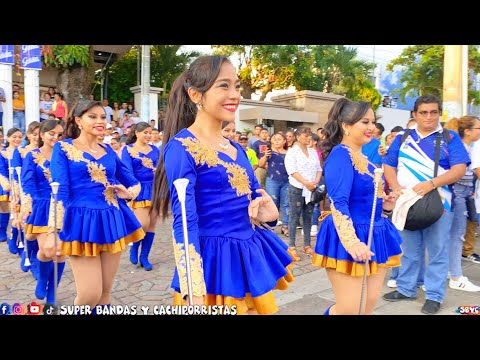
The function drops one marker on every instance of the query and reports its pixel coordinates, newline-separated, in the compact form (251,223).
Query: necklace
(142,149)
(89,148)
(223,146)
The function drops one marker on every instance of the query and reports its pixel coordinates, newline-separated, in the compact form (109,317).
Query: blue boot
(50,288)
(44,268)
(146,246)
(12,242)
(4,219)
(32,254)
(134,252)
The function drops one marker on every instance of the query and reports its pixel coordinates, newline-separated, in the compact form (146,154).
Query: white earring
(199,106)
(347,133)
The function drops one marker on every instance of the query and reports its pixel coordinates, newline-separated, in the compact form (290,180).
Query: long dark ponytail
(180,114)
(342,111)
(132,137)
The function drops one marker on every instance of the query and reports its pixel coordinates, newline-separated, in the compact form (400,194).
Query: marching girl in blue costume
(94,221)
(341,242)
(142,160)
(36,179)
(17,161)
(14,139)
(235,258)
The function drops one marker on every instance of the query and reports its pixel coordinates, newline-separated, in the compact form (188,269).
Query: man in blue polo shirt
(411,165)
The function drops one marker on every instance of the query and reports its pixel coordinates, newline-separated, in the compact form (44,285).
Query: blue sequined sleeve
(125,175)
(127,159)
(28,183)
(59,167)
(339,175)
(180,164)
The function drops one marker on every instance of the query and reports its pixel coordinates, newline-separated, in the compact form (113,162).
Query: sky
(382,54)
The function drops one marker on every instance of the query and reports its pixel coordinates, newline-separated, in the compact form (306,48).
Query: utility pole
(139,60)
(145,87)
(374,67)
(455,81)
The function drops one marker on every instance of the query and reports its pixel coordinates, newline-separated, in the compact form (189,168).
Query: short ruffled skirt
(37,222)
(87,232)
(330,253)
(243,272)
(144,199)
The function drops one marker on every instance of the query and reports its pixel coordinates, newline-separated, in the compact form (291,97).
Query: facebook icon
(5,309)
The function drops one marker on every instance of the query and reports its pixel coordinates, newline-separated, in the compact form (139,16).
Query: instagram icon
(18,309)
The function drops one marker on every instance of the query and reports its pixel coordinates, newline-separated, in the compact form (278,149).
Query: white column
(32,96)
(154,93)
(464,80)
(6,84)
(145,86)
(452,82)
(152,104)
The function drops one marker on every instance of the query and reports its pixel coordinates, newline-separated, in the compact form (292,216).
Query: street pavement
(309,294)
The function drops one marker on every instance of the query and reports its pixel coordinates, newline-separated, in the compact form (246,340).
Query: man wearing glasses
(411,165)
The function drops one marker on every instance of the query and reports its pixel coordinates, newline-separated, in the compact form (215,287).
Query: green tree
(336,69)
(167,62)
(262,68)
(75,69)
(422,70)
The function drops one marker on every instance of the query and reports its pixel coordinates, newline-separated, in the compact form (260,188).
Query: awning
(272,113)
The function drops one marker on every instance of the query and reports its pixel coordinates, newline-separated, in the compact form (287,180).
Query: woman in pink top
(59,107)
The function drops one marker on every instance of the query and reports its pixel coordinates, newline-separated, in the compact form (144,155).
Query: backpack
(429,209)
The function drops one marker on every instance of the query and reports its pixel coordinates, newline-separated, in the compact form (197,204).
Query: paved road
(311,292)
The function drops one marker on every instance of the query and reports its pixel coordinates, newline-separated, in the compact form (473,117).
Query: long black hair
(47,126)
(71,128)
(180,114)
(132,137)
(343,111)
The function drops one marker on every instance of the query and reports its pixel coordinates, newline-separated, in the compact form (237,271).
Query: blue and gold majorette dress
(233,261)
(36,179)
(143,167)
(350,186)
(90,216)
(4,175)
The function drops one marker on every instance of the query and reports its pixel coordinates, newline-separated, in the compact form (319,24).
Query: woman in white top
(304,170)
(468,127)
